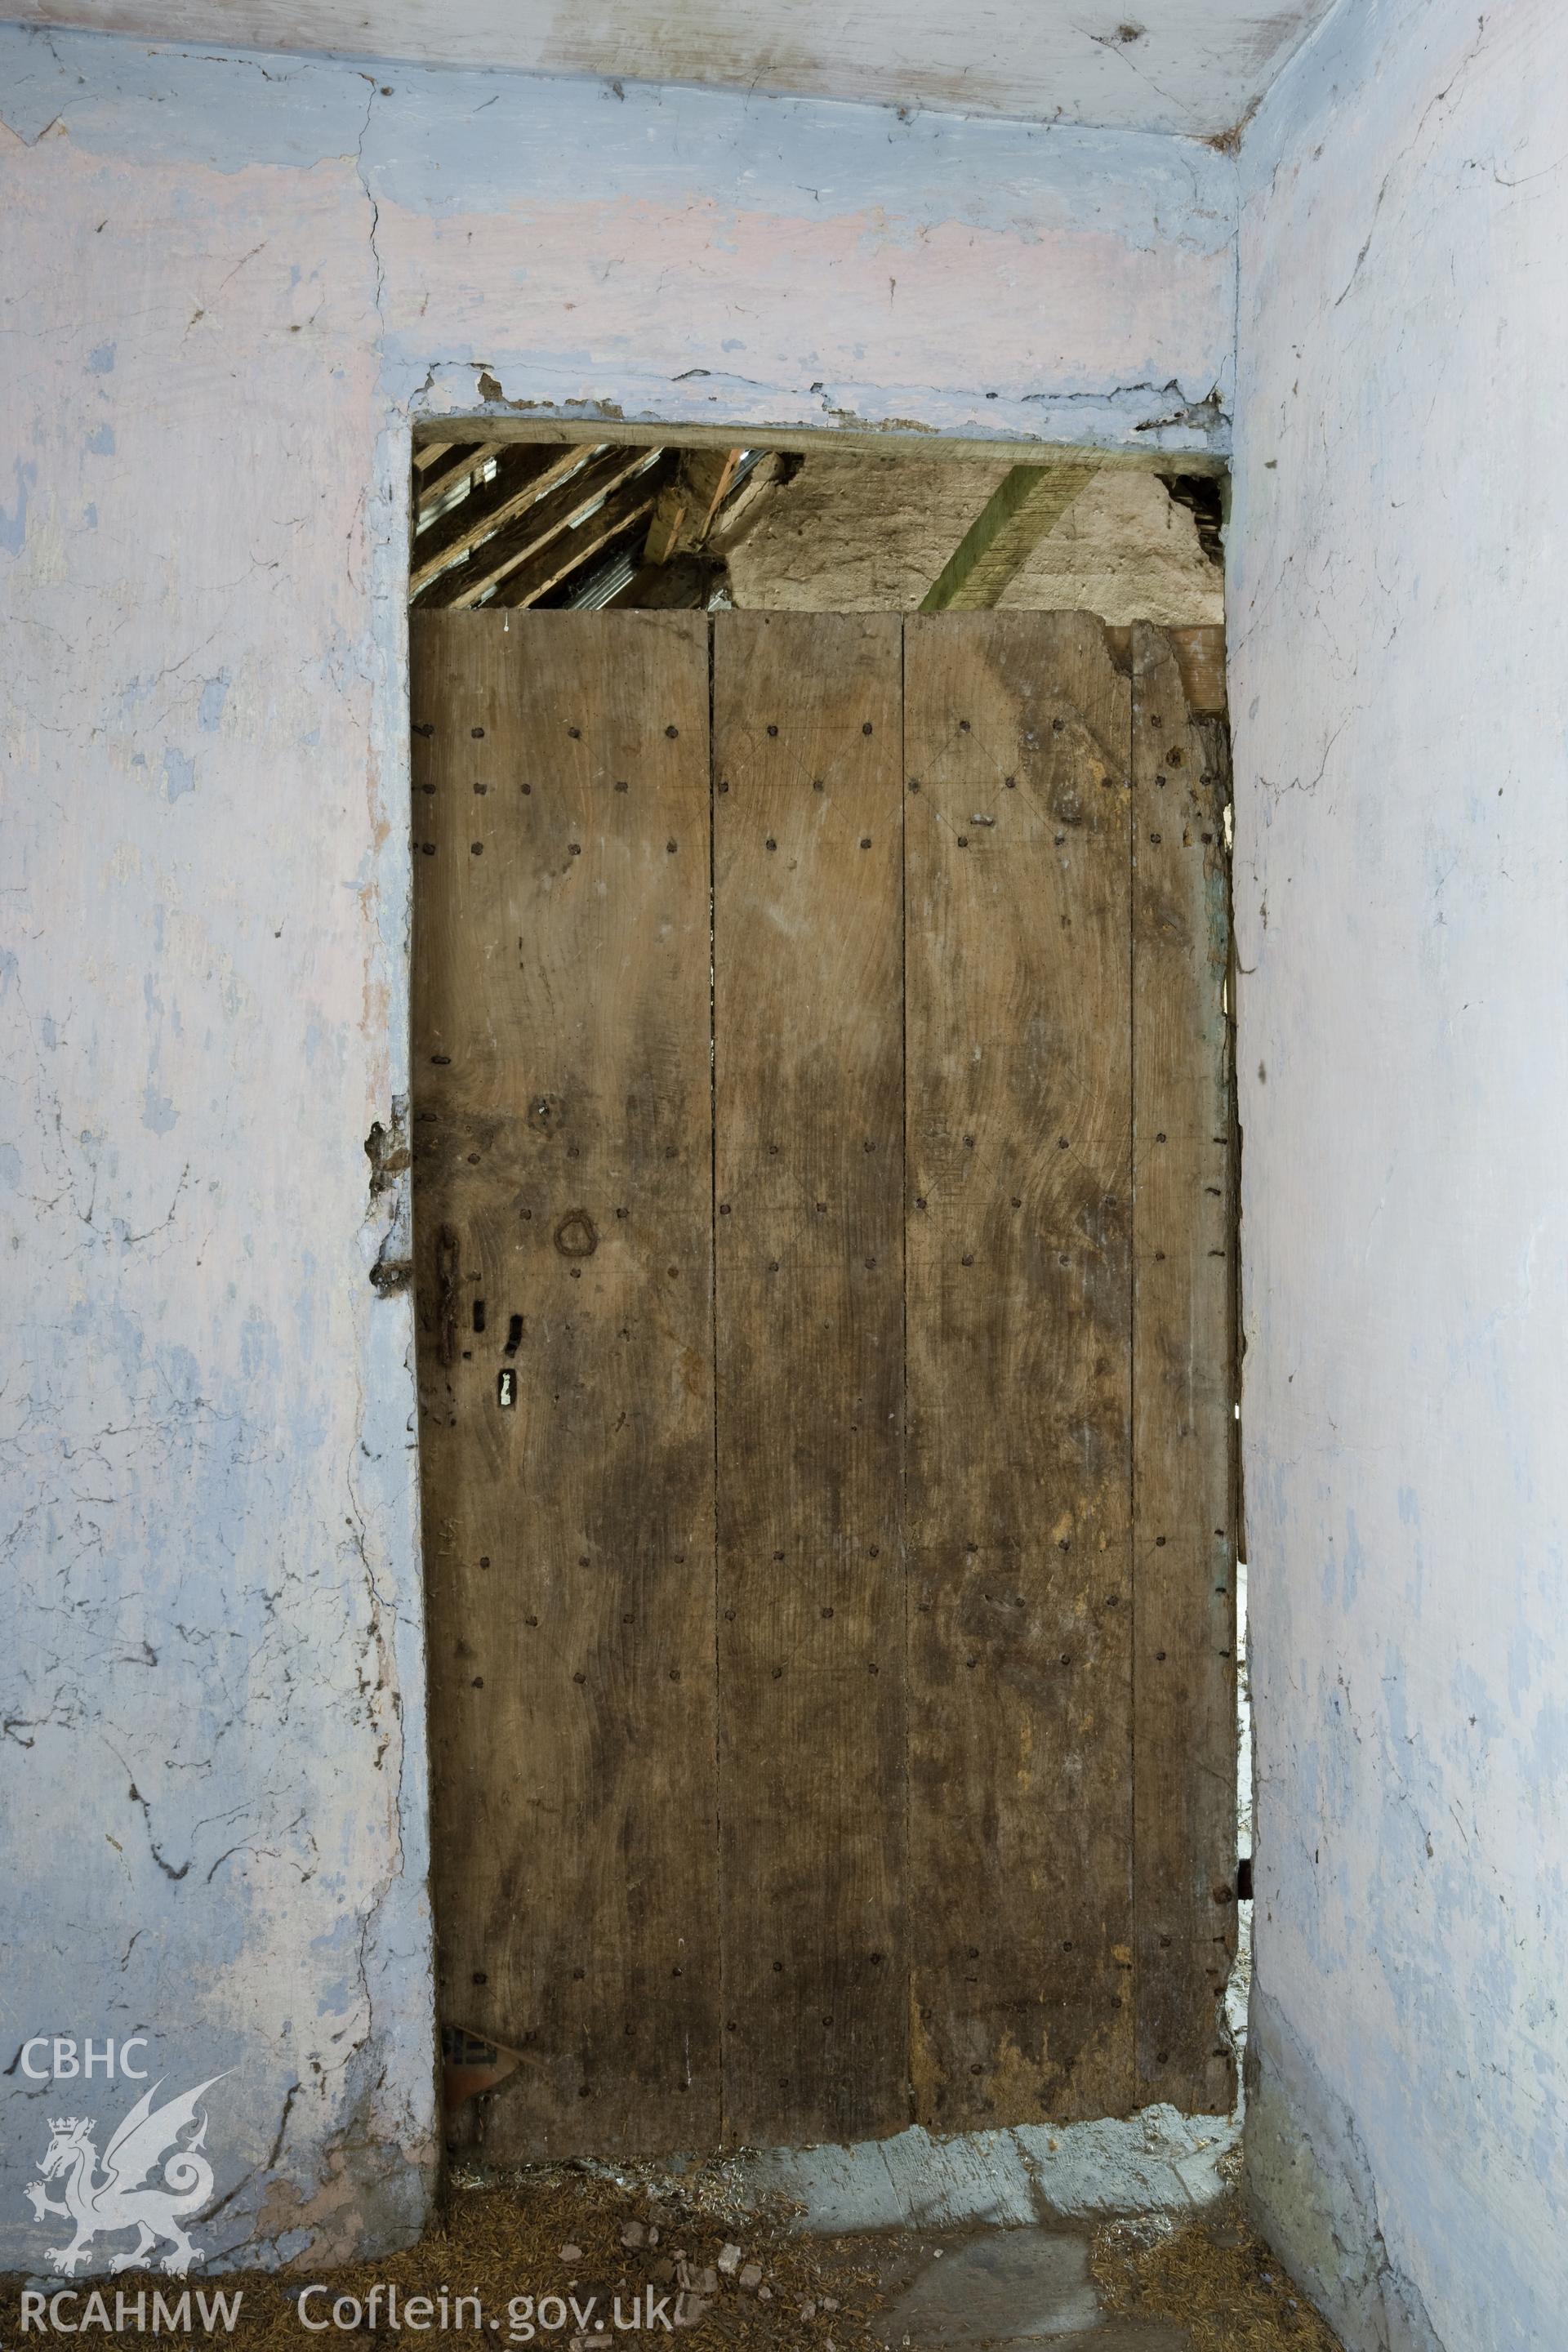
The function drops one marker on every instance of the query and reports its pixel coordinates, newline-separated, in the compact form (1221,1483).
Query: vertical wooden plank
(808,1030)
(1183,1390)
(1016,813)
(562,1118)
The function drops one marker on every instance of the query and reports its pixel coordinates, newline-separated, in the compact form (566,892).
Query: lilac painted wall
(227,286)
(1399,650)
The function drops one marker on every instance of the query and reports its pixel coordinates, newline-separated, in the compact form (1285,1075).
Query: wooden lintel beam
(1024,508)
(882,441)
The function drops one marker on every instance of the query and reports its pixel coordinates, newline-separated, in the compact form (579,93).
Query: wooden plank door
(563,1236)
(1184,1480)
(1020,1323)
(823,1212)
(809,1176)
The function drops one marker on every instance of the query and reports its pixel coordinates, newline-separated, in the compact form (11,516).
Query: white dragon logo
(119,2199)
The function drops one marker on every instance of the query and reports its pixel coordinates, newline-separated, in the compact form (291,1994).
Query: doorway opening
(829,1487)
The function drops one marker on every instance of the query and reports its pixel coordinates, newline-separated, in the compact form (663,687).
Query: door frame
(503,423)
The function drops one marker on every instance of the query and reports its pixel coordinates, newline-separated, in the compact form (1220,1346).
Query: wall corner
(1310,2193)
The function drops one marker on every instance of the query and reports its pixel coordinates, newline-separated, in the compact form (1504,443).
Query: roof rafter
(1024,508)
(685,511)
(546,565)
(519,482)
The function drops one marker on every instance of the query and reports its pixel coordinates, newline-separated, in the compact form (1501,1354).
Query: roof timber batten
(623,512)
(535,525)
(459,529)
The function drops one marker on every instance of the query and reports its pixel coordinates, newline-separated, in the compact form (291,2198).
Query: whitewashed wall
(1399,643)
(226,286)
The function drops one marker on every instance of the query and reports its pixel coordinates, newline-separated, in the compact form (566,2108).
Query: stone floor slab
(1019,2286)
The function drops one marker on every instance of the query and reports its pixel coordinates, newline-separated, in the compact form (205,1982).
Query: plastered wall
(227,285)
(1399,693)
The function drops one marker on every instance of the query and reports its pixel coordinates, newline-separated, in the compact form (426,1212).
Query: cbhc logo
(85,2058)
